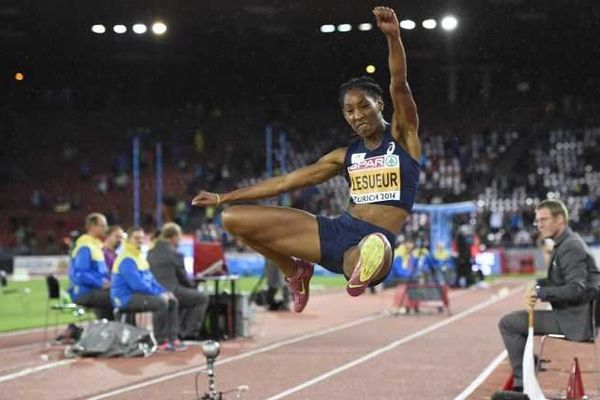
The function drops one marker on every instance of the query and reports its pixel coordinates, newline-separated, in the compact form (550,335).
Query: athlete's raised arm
(325,168)
(405,121)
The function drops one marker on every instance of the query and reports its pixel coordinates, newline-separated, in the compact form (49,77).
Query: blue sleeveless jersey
(387,175)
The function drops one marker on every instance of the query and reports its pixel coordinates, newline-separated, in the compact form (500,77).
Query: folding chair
(595,319)
(58,306)
(136,318)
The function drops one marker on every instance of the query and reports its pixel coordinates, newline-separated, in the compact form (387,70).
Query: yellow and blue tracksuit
(131,274)
(88,269)
(421,260)
(441,255)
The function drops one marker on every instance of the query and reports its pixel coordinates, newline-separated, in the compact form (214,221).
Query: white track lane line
(264,349)
(482,377)
(33,370)
(494,299)
(270,347)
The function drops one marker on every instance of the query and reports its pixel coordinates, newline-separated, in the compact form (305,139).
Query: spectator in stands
(135,289)
(571,284)
(167,266)
(102,184)
(114,237)
(88,274)
(36,199)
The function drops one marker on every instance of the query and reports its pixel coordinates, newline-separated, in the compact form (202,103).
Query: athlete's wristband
(218,199)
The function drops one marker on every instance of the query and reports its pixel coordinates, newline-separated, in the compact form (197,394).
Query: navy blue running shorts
(337,235)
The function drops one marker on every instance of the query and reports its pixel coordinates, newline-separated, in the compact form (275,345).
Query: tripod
(211,350)
(275,282)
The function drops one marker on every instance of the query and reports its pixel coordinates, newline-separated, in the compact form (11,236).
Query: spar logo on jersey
(387,160)
(375,179)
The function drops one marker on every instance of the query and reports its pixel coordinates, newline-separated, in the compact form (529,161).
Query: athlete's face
(362,112)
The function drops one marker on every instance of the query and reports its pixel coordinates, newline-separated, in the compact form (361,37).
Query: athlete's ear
(380,105)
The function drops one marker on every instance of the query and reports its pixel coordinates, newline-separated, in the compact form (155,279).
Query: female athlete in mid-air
(382,170)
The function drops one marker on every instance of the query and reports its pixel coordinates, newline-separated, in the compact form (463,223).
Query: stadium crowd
(547,153)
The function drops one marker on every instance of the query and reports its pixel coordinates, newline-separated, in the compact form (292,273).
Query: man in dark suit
(572,282)
(167,266)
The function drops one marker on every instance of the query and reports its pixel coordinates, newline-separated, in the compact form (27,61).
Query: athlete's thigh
(288,231)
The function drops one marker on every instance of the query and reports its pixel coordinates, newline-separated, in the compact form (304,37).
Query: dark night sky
(265,47)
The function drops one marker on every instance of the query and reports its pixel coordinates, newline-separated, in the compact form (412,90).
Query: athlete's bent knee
(232,218)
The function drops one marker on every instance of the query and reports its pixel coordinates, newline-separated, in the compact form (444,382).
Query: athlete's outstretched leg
(279,234)
(368,262)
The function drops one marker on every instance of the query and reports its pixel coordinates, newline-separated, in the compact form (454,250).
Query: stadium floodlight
(365,27)
(327,28)
(159,28)
(120,29)
(344,28)
(429,24)
(98,28)
(449,23)
(140,28)
(370,69)
(407,24)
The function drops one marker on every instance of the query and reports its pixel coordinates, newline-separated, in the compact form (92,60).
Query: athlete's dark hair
(362,83)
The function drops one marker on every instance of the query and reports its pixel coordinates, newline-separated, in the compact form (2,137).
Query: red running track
(338,348)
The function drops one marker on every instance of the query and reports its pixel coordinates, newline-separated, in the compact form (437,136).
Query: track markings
(33,370)
(482,377)
(274,346)
(494,299)
(242,356)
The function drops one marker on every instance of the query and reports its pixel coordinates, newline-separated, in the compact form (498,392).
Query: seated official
(571,284)
(88,274)
(168,268)
(135,289)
